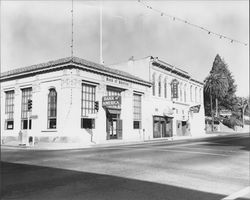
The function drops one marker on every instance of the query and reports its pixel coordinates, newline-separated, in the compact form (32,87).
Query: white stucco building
(73,100)
(176,107)
(78,101)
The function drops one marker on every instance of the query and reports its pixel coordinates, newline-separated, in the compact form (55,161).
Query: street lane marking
(238,194)
(173,150)
(200,148)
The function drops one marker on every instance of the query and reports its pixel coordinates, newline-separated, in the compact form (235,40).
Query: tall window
(137,111)
(181,92)
(26,95)
(195,94)
(87,105)
(52,104)
(153,84)
(159,86)
(200,95)
(9,109)
(165,88)
(185,93)
(191,93)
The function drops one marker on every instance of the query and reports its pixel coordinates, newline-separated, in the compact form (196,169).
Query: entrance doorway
(182,128)
(162,127)
(114,125)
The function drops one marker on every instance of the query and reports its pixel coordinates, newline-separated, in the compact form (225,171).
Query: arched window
(165,88)
(185,93)
(200,95)
(159,86)
(181,92)
(52,101)
(153,84)
(195,94)
(191,93)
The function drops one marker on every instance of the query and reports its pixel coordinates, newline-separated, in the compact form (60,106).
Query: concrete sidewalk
(65,146)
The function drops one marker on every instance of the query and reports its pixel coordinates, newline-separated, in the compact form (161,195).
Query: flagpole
(101,57)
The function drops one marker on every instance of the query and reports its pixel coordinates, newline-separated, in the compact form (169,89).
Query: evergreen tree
(229,101)
(224,96)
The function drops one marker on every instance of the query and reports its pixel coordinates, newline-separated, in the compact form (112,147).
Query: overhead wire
(187,22)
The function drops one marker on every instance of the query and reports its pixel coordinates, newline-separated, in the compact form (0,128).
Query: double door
(162,127)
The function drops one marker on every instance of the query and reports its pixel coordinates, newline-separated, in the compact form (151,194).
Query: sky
(33,32)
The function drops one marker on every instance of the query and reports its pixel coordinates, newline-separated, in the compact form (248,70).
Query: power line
(163,14)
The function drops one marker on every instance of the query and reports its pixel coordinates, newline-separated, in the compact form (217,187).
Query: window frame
(26,95)
(165,88)
(88,98)
(52,108)
(159,86)
(153,84)
(137,111)
(9,108)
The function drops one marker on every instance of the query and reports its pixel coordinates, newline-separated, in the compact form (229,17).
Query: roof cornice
(70,62)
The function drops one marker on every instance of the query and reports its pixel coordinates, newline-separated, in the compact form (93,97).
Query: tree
(216,86)
(229,101)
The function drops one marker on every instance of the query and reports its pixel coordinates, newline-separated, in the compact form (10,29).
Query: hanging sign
(174,88)
(111,101)
(225,112)
(195,109)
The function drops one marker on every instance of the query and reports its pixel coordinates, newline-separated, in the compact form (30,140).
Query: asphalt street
(209,168)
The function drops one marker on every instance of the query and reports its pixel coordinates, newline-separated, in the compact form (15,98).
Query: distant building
(72,100)
(176,99)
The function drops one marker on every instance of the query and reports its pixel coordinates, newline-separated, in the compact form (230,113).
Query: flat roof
(79,63)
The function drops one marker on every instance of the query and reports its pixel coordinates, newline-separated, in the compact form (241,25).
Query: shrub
(231,122)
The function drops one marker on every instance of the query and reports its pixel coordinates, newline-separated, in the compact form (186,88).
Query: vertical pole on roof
(101,58)
(72,30)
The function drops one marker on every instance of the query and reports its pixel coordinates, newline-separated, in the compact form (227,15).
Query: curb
(77,146)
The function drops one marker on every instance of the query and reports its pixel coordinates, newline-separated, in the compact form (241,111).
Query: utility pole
(72,30)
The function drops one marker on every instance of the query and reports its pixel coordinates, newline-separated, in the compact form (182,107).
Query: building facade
(176,107)
(72,100)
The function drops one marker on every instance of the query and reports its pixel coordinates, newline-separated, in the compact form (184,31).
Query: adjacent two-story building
(176,107)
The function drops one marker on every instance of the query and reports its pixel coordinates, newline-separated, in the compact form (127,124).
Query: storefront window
(137,111)
(26,95)
(9,109)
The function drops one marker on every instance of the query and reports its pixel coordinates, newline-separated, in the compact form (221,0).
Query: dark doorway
(162,127)
(114,125)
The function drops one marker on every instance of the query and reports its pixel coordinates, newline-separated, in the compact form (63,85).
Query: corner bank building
(72,100)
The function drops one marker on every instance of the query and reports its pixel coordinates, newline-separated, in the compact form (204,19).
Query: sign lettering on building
(116,81)
(111,101)
(195,109)
(174,88)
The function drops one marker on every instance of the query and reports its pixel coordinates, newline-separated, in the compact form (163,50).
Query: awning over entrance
(114,111)
(168,115)
(168,112)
